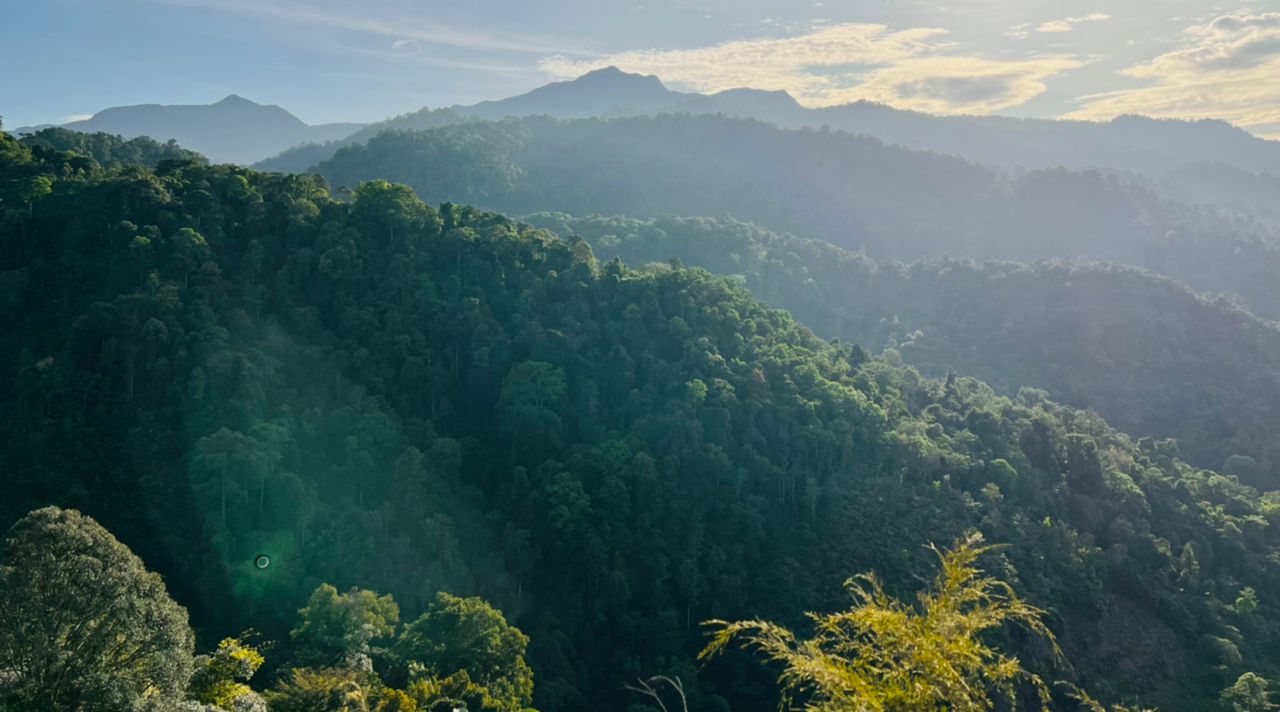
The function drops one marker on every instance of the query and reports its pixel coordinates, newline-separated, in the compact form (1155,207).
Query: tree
(386,208)
(1247,602)
(886,655)
(336,626)
(532,395)
(468,635)
(329,690)
(220,677)
(190,250)
(1248,694)
(83,624)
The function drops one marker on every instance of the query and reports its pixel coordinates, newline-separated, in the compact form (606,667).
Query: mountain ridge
(233,129)
(1182,158)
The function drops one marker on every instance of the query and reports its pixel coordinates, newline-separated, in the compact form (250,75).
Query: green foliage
(1108,337)
(1247,602)
(107,150)
(409,399)
(883,654)
(327,690)
(334,626)
(83,625)
(220,678)
(1249,693)
(467,636)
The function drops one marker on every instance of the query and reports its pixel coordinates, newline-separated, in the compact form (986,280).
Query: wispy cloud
(363,21)
(1225,69)
(1068,24)
(912,68)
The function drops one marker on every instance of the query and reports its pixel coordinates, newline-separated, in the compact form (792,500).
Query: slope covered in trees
(220,364)
(109,150)
(1150,355)
(855,192)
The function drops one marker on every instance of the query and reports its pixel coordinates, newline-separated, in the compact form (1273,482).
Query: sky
(330,60)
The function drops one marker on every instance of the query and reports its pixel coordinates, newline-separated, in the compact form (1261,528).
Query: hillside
(1185,159)
(384,394)
(107,150)
(1115,339)
(233,130)
(854,192)
(301,158)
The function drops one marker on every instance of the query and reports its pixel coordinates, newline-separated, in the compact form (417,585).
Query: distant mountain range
(1209,162)
(1195,161)
(233,130)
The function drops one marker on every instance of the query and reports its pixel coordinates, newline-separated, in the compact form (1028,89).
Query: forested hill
(1120,340)
(107,150)
(855,192)
(219,363)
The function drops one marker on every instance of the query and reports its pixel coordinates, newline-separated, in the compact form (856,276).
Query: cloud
(913,68)
(409,29)
(1068,24)
(1225,69)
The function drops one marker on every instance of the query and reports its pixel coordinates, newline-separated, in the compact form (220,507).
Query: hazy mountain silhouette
(1184,159)
(603,92)
(233,130)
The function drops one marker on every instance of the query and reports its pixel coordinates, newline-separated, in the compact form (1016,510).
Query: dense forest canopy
(218,364)
(1123,341)
(853,191)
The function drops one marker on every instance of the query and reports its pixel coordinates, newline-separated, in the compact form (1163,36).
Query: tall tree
(83,624)
(457,635)
(336,626)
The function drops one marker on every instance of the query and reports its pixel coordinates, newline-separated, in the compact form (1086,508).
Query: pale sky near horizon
(330,60)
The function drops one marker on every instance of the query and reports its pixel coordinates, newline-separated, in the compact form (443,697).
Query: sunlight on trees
(886,655)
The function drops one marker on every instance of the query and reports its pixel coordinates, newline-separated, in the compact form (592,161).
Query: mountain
(1114,339)
(1182,159)
(220,364)
(855,192)
(233,130)
(1178,156)
(305,156)
(599,93)
(603,92)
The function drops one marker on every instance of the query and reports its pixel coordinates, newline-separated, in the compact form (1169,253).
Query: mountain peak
(232,99)
(612,75)
(600,92)
(609,71)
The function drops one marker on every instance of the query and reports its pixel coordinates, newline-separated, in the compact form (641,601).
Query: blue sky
(326,60)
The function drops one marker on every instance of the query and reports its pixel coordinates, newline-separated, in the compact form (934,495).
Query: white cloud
(913,68)
(407,28)
(1068,24)
(1227,69)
